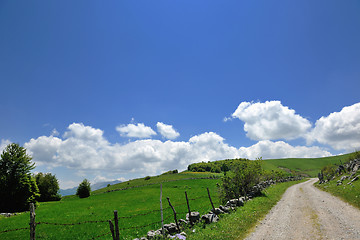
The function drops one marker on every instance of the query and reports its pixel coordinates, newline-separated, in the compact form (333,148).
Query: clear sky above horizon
(123,89)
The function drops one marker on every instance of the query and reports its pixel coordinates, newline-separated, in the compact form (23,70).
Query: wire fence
(179,205)
(182,207)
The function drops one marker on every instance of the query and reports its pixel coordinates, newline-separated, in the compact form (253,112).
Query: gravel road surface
(305,212)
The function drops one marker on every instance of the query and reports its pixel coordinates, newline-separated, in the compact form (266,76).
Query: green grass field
(307,166)
(128,202)
(142,196)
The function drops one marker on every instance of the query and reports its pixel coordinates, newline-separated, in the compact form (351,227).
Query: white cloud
(84,149)
(3,144)
(68,184)
(270,121)
(340,130)
(269,150)
(54,132)
(45,149)
(100,178)
(167,131)
(135,131)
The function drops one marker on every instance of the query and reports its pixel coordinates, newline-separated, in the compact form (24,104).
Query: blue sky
(123,89)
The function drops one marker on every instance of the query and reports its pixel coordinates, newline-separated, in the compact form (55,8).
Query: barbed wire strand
(71,224)
(143,226)
(13,230)
(146,213)
(100,235)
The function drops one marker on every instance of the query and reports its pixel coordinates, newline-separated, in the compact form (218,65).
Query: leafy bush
(274,175)
(48,186)
(355,155)
(329,171)
(147,178)
(84,189)
(215,166)
(240,180)
(17,187)
(170,172)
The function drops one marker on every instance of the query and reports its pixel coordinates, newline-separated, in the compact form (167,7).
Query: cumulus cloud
(85,149)
(135,131)
(340,130)
(268,150)
(3,144)
(167,131)
(100,178)
(271,121)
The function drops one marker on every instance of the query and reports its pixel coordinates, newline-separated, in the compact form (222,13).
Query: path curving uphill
(305,212)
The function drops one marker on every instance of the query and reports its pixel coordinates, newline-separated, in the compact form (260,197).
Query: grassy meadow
(128,203)
(307,166)
(135,199)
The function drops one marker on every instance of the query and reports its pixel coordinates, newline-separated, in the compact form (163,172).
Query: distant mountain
(99,185)
(69,191)
(96,186)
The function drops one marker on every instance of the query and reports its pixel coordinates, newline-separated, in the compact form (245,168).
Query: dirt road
(305,212)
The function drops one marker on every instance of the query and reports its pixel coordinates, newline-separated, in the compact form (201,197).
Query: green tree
(48,186)
(17,187)
(84,189)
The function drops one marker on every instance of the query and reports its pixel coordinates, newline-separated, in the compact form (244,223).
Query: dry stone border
(352,167)
(213,215)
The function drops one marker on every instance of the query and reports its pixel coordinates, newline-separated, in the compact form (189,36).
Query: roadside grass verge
(240,223)
(130,203)
(348,193)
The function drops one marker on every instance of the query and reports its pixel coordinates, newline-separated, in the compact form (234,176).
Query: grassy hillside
(166,177)
(307,166)
(129,203)
(349,193)
(137,202)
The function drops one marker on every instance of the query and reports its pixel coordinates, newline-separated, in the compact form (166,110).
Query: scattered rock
(355,178)
(195,216)
(170,228)
(217,211)
(153,234)
(8,214)
(343,178)
(210,218)
(225,209)
(183,222)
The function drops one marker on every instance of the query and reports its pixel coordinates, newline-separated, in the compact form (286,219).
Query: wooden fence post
(177,224)
(187,201)
(112,229)
(117,234)
(162,215)
(210,199)
(32,221)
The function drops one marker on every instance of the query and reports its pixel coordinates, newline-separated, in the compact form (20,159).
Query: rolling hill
(137,202)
